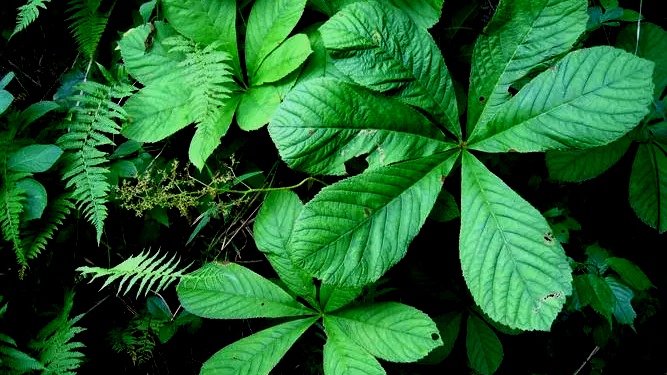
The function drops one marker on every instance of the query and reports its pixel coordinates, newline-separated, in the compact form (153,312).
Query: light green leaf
(146,10)
(269,24)
(207,137)
(581,165)
(648,185)
(485,352)
(35,111)
(354,230)
(34,158)
(273,226)
(590,98)
(256,354)
(325,122)
(158,111)
(231,291)
(424,13)
(257,107)
(652,45)
(285,59)
(515,269)
(448,326)
(35,202)
(390,331)
(521,36)
(206,22)
(343,357)
(4,81)
(445,208)
(630,273)
(146,59)
(602,298)
(623,311)
(6,100)
(380,48)
(334,297)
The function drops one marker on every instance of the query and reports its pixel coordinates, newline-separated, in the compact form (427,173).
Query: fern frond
(85,168)
(87,25)
(11,208)
(36,236)
(28,13)
(150,271)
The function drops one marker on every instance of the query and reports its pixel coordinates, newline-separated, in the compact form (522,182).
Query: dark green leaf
(623,311)
(445,208)
(581,165)
(651,45)
(630,273)
(448,326)
(34,158)
(648,185)
(485,352)
(35,202)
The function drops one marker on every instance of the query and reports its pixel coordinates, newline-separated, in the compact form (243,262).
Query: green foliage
(28,13)
(13,360)
(88,24)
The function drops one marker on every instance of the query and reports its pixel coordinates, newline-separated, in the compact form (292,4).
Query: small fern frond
(28,13)
(87,25)
(150,271)
(11,208)
(85,165)
(36,236)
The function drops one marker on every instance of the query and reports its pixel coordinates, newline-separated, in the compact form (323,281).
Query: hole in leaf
(481,98)
(549,238)
(512,91)
(435,336)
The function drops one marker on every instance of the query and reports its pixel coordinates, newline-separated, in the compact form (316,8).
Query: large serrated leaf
(256,354)
(342,356)
(379,47)
(353,231)
(590,98)
(651,45)
(581,165)
(521,36)
(390,331)
(515,269)
(231,291)
(485,352)
(648,185)
(325,122)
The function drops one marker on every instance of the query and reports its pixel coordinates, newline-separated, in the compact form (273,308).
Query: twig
(595,350)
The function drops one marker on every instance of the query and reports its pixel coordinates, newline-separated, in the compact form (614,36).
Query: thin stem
(264,190)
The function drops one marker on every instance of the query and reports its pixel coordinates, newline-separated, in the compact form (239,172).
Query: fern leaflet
(88,24)
(28,13)
(143,267)
(11,201)
(36,236)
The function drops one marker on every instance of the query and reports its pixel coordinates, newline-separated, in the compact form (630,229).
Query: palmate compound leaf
(231,291)
(581,165)
(354,230)
(590,98)
(324,122)
(379,47)
(259,353)
(522,35)
(391,331)
(515,269)
(648,185)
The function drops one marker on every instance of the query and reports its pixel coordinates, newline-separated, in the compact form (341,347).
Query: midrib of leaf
(90,184)
(379,327)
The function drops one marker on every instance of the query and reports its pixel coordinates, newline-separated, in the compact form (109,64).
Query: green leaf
(269,24)
(231,291)
(602,298)
(445,208)
(334,297)
(6,100)
(325,122)
(319,63)
(651,46)
(515,269)
(6,79)
(158,308)
(273,226)
(126,148)
(257,107)
(158,111)
(343,357)
(521,36)
(380,48)
(206,22)
(35,111)
(207,137)
(630,273)
(35,202)
(354,230)
(34,158)
(424,13)
(581,165)
(623,311)
(390,331)
(582,291)
(590,98)
(146,10)
(448,326)
(285,59)
(597,257)
(124,169)
(256,354)
(609,4)
(648,185)
(485,352)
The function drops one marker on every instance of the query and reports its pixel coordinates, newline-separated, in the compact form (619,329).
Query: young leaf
(269,24)
(648,185)
(590,98)
(424,13)
(630,273)
(34,158)
(521,36)
(515,269)
(231,291)
(448,326)
(283,60)
(379,47)
(256,354)
(325,122)
(342,356)
(581,165)
(334,297)
(353,231)
(485,352)
(206,22)
(35,202)
(651,45)
(623,311)
(390,331)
